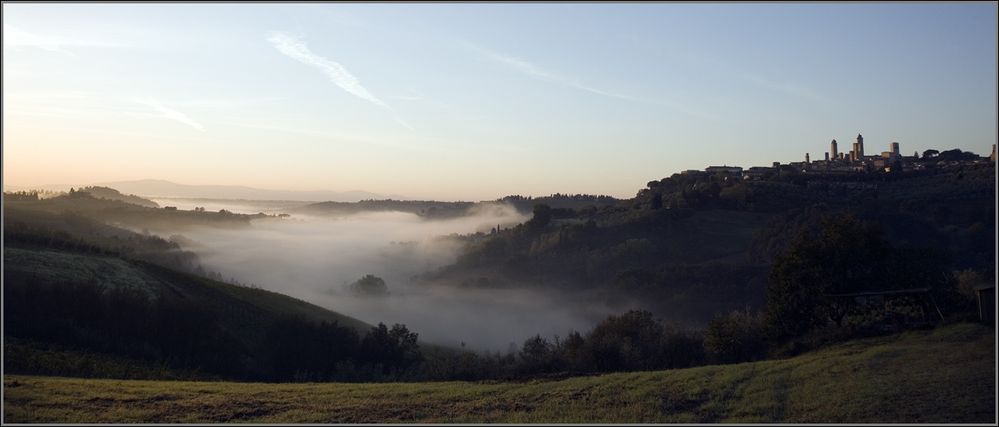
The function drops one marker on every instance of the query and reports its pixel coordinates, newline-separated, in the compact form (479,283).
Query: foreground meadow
(941,375)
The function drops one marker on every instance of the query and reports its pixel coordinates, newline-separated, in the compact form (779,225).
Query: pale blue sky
(477,101)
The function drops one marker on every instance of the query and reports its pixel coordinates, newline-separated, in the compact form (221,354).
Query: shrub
(369,285)
(735,337)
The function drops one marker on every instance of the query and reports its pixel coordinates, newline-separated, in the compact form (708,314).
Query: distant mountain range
(162,188)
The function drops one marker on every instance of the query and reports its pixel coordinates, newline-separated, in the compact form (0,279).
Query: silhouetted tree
(845,256)
(657,200)
(736,337)
(632,341)
(542,216)
(956,155)
(393,349)
(536,355)
(369,285)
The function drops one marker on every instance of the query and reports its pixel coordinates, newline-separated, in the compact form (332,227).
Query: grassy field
(942,375)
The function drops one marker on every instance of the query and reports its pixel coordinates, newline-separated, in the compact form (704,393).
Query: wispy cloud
(15,37)
(297,49)
(535,71)
(169,113)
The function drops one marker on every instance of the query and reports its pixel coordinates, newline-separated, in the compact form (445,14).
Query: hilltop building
(835,162)
(857,153)
(724,169)
(758,172)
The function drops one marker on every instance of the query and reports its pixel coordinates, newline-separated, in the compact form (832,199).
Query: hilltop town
(855,161)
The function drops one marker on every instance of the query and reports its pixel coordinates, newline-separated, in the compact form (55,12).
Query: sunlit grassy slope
(943,375)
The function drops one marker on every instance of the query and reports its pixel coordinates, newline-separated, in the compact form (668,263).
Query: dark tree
(956,155)
(632,341)
(536,354)
(845,256)
(657,200)
(571,352)
(736,337)
(542,216)
(393,349)
(369,285)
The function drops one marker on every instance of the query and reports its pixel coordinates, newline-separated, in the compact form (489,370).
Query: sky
(480,100)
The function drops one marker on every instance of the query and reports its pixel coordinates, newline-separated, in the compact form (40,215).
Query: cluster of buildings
(834,161)
(856,160)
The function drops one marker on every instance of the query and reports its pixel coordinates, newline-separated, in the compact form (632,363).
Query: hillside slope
(942,375)
(47,266)
(695,245)
(123,213)
(138,317)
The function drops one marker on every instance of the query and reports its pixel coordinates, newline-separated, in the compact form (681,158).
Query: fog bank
(315,258)
(248,207)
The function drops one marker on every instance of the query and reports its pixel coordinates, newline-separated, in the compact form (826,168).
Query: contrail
(171,114)
(15,37)
(297,50)
(533,70)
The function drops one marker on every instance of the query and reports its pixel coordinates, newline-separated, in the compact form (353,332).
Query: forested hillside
(693,245)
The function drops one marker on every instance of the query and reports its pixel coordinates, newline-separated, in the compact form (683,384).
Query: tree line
(191,335)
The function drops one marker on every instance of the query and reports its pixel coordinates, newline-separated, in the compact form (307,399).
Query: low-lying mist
(248,207)
(316,258)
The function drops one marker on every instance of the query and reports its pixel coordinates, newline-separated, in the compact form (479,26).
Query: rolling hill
(87,298)
(157,187)
(694,245)
(136,313)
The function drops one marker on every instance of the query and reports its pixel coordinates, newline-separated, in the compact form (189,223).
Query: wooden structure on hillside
(986,303)
(921,295)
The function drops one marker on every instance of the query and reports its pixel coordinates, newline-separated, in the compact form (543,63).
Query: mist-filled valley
(315,258)
(488,275)
(697,269)
(471,213)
